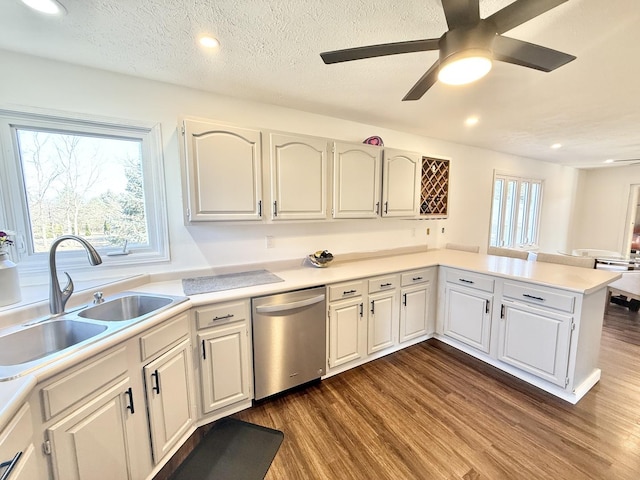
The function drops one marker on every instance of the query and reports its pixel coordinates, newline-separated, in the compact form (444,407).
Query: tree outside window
(83,185)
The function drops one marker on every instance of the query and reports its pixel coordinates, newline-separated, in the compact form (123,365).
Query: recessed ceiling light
(609,160)
(209,42)
(556,146)
(50,7)
(471,121)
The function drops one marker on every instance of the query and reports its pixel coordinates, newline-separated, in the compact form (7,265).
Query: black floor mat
(232,450)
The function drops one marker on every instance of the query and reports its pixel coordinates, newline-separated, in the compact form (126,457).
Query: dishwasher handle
(289,306)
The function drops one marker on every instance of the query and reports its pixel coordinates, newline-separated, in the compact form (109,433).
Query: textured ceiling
(270,53)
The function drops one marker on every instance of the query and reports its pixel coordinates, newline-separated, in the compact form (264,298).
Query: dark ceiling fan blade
(425,83)
(381,50)
(461,12)
(519,12)
(510,50)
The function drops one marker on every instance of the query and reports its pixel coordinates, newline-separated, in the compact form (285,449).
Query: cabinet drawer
(471,280)
(540,296)
(379,284)
(415,277)
(345,290)
(17,435)
(161,337)
(221,314)
(77,385)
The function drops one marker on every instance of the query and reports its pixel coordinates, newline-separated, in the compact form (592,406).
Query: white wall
(33,82)
(603,202)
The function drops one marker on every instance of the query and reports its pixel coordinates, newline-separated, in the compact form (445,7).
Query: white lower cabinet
(168,389)
(415,304)
(120,413)
(382,320)
(536,341)
(369,318)
(414,312)
(225,355)
(96,440)
(536,324)
(347,331)
(467,309)
(17,453)
(346,328)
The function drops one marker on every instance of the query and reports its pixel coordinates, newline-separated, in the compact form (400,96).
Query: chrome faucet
(58,298)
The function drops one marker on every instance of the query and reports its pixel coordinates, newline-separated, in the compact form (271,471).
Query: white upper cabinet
(298,177)
(356,180)
(401,183)
(223,167)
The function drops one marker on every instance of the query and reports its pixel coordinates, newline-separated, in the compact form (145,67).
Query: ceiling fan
(628,161)
(470,42)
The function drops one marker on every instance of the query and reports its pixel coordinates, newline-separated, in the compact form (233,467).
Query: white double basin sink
(31,346)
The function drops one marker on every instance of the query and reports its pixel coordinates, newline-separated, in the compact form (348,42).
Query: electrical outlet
(269,241)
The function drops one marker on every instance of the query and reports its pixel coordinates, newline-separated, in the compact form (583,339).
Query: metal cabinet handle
(348,292)
(415,279)
(156,387)
(260,208)
(377,208)
(502,311)
(386,207)
(129,393)
(487,307)
(464,280)
(361,309)
(11,464)
(373,306)
(275,208)
(204,351)
(526,295)
(383,285)
(224,317)
(404,299)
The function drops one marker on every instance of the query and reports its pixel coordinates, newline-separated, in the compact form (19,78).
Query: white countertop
(14,393)
(575,279)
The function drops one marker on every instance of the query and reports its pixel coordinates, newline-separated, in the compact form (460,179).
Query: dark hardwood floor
(431,412)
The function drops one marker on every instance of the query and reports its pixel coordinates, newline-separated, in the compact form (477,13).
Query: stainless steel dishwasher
(289,340)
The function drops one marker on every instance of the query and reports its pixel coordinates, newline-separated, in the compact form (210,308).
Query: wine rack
(434,191)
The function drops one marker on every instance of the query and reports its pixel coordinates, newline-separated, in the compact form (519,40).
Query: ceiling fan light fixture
(49,7)
(460,69)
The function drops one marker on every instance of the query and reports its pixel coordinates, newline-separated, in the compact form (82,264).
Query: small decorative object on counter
(9,282)
(321,258)
(374,141)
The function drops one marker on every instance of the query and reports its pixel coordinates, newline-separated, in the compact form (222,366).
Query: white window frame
(518,221)
(14,214)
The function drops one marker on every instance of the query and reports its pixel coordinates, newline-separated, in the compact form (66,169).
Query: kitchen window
(101,179)
(515,212)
